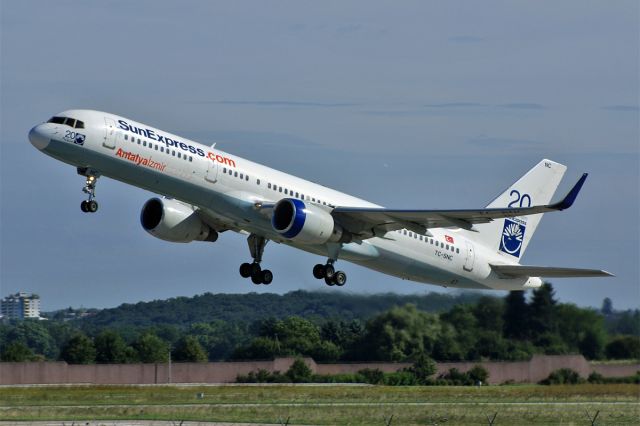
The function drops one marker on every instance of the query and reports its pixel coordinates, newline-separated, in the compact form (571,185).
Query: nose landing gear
(90,205)
(253,270)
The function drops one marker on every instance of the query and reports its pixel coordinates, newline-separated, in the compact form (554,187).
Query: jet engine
(174,221)
(306,223)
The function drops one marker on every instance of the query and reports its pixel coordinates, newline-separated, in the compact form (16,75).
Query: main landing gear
(253,270)
(329,273)
(90,205)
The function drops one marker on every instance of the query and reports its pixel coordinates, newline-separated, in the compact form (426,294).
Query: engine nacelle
(174,221)
(306,223)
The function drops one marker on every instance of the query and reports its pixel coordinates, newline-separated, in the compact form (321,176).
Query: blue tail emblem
(512,237)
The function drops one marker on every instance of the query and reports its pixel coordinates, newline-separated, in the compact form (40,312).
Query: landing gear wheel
(92,206)
(83,206)
(329,281)
(329,271)
(267,277)
(340,278)
(245,270)
(318,271)
(256,278)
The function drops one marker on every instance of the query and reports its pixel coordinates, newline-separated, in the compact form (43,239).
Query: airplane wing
(514,271)
(369,222)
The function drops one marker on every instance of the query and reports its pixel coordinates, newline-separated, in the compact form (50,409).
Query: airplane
(206,191)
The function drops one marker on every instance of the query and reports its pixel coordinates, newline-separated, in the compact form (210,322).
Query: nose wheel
(254,270)
(90,205)
(329,274)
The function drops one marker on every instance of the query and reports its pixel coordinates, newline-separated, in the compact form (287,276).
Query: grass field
(328,405)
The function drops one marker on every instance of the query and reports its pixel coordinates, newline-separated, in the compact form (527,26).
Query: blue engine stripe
(298,221)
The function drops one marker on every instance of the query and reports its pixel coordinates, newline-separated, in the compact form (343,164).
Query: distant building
(20,306)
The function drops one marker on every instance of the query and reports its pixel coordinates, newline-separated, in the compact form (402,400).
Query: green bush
(299,372)
(563,376)
(372,376)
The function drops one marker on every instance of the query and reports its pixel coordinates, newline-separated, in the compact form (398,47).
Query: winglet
(572,195)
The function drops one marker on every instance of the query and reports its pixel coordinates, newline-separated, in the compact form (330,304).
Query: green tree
(34,334)
(78,350)
(489,312)
(592,344)
(150,348)
(607,307)
(516,316)
(401,333)
(447,346)
(543,313)
(624,347)
(17,352)
(188,349)
(111,348)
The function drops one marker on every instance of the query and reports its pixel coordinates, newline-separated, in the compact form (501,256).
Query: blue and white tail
(511,236)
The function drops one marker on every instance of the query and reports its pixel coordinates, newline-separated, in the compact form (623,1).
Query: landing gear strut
(329,274)
(253,270)
(90,205)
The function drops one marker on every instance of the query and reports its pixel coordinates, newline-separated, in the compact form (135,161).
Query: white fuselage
(228,188)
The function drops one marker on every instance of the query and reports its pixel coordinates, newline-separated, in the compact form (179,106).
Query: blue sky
(406,104)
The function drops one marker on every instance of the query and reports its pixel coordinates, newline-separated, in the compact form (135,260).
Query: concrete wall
(534,370)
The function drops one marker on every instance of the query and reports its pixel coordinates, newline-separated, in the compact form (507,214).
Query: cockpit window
(71,122)
(56,120)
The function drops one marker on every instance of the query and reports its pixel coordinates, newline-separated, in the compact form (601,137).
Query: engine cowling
(306,223)
(174,221)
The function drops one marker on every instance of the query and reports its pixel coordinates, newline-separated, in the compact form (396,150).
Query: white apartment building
(20,305)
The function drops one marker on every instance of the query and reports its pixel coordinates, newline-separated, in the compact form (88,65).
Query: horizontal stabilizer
(514,271)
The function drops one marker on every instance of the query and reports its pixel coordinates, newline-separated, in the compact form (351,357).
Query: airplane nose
(38,137)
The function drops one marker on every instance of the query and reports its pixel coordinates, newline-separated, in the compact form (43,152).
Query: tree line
(479,328)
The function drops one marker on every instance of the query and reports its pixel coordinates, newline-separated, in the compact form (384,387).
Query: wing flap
(515,271)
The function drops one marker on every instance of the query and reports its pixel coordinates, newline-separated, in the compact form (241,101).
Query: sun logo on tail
(512,237)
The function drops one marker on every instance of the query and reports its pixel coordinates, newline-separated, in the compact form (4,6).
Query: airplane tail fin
(511,236)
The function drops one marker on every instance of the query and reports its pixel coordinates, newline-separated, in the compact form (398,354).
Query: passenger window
(235,174)
(404,231)
(302,196)
(420,237)
(246,178)
(458,250)
(144,143)
(313,199)
(126,137)
(280,189)
(258,181)
(179,155)
(190,159)
(447,247)
(173,152)
(224,170)
(241,176)
(269,185)
(286,192)
(139,141)
(162,149)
